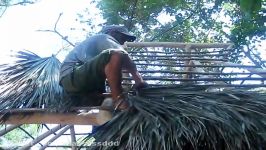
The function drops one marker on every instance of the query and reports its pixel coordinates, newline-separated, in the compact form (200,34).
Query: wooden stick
(194,72)
(171,56)
(179,52)
(73,138)
(55,137)
(181,59)
(182,65)
(166,78)
(51,118)
(210,85)
(177,45)
(252,70)
(41,137)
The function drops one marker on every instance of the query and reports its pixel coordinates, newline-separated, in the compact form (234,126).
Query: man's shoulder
(100,37)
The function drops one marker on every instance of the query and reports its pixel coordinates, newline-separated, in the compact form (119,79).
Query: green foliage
(250,7)
(17,136)
(238,21)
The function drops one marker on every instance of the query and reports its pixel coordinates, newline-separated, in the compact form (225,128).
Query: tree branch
(19,3)
(3,11)
(65,38)
(130,18)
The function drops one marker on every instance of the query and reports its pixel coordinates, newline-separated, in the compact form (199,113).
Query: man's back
(86,50)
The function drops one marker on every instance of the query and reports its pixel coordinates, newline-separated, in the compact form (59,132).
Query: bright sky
(18,32)
(19,24)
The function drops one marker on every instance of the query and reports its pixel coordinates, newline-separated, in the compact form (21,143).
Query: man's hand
(140,85)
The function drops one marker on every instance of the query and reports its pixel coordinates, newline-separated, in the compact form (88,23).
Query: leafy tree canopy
(239,21)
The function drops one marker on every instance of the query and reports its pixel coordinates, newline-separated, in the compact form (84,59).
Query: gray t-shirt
(86,50)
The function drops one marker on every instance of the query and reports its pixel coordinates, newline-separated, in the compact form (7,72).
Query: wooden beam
(43,117)
(177,45)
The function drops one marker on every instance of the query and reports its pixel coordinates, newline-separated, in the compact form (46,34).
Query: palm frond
(187,118)
(30,82)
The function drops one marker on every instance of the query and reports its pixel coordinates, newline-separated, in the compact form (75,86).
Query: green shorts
(87,79)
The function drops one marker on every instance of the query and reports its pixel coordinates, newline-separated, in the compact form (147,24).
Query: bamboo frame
(183,59)
(166,78)
(176,45)
(41,137)
(55,137)
(29,134)
(179,52)
(252,70)
(183,65)
(181,55)
(200,73)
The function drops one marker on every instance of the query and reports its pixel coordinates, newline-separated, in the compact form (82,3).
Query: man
(96,59)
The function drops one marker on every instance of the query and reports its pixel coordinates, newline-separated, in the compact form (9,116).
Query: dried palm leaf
(30,82)
(186,118)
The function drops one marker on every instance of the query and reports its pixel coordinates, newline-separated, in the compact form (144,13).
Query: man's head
(120,33)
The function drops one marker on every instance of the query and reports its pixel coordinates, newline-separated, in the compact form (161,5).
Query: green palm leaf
(30,82)
(187,118)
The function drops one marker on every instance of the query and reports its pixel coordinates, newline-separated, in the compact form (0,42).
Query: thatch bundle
(187,118)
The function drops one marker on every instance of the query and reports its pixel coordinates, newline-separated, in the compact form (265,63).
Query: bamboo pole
(41,137)
(73,138)
(172,85)
(55,137)
(252,70)
(198,72)
(169,78)
(187,62)
(28,134)
(8,129)
(226,51)
(182,65)
(171,56)
(51,118)
(177,45)
(181,59)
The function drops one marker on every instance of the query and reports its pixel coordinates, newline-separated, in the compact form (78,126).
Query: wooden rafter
(44,117)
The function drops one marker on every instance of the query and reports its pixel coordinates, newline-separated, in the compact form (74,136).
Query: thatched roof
(197,99)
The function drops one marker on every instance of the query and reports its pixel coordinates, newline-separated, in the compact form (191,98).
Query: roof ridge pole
(73,138)
(55,137)
(258,71)
(8,129)
(187,62)
(41,137)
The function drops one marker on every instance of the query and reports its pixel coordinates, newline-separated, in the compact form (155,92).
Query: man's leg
(119,61)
